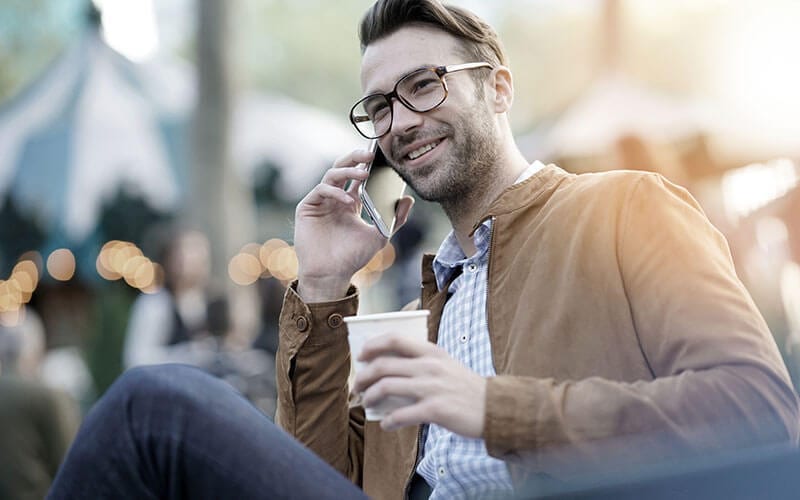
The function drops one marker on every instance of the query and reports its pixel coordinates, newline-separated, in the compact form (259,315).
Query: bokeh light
(748,188)
(266,251)
(124,260)
(244,269)
(18,289)
(104,263)
(61,264)
(10,319)
(157,283)
(282,263)
(370,274)
(10,296)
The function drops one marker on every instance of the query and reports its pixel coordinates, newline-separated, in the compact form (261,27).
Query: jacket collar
(525,193)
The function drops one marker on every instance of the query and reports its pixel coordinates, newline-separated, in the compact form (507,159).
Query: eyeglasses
(421,90)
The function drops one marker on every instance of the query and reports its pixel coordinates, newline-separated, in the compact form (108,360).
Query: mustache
(401,141)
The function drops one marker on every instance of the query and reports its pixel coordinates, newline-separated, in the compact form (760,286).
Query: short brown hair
(387,16)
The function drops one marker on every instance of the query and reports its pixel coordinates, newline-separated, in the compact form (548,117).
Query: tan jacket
(620,335)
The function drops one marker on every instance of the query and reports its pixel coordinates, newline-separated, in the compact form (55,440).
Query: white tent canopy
(78,133)
(300,140)
(614,107)
(96,121)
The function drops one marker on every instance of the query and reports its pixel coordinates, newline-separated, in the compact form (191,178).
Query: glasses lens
(372,116)
(422,90)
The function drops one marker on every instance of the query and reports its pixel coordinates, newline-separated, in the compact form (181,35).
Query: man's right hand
(331,240)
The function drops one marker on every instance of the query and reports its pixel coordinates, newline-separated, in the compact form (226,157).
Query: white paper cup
(412,324)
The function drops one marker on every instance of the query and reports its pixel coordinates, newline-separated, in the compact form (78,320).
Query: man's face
(445,153)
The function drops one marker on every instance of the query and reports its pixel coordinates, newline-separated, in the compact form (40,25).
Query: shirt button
(472,267)
(441,472)
(464,339)
(335,320)
(302,323)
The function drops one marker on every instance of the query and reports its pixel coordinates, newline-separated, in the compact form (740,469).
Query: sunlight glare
(130,27)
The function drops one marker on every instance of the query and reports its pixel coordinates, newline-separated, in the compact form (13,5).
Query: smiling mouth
(421,151)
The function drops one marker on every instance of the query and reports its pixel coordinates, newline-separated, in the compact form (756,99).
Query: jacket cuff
(512,412)
(314,324)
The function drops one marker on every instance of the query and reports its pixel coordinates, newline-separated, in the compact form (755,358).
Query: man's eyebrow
(403,75)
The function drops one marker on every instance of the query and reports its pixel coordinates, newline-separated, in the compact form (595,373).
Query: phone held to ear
(381,192)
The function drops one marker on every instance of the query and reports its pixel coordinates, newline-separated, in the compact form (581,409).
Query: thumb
(403,210)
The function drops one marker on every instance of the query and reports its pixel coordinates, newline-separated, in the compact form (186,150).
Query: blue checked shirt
(455,466)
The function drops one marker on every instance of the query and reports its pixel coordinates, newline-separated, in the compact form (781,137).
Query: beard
(474,150)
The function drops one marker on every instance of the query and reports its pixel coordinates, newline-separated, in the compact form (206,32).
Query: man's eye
(377,109)
(424,85)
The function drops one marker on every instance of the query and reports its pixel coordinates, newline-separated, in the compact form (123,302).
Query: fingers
(397,345)
(353,158)
(410,388)
(345,169)
(388,367)
(323,192)
(440,390)
(348,167)
(414,414)
(338,176)
(455,400)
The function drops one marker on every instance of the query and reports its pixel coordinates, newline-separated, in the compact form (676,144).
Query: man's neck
(466,212)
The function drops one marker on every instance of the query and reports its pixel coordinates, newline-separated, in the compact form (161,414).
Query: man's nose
(404,119)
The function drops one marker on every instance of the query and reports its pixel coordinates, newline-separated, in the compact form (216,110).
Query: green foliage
(32,33)
(19,233)
(305,49)
(112,304)
(128,217)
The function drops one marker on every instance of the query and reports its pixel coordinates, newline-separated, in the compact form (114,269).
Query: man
(582,323)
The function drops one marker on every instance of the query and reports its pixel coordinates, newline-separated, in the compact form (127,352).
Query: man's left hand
(446,392)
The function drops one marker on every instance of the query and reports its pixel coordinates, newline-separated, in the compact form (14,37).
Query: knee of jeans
(155,383)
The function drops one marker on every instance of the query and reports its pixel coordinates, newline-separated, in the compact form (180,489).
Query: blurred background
(152,152)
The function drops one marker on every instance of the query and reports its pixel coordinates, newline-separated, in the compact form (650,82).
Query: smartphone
(381,192)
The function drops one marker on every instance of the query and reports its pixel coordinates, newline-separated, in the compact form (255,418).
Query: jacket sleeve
(718,381)
(312,370)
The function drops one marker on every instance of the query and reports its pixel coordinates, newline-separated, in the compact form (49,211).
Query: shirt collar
(530,171)
(450,257)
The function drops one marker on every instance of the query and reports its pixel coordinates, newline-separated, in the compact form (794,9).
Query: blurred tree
(126,216)
(32,32)
(109,321)
(304,49)
(19,233)
(210,145)
(218,203)
(265,183)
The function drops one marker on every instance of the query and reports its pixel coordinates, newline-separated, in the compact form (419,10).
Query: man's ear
(503,87)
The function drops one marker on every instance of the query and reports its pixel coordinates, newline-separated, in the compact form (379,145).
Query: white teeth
(421,151)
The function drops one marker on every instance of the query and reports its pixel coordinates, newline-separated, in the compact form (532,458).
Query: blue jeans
(172,431)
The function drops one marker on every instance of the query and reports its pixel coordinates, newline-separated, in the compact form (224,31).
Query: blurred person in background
(37,423)
(170,324)
(184,322)
(250,370)
(583,323)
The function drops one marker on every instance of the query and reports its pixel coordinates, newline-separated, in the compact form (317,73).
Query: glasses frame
(440,71)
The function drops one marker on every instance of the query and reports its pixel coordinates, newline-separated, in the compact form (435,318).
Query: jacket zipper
(488,282)
(486,302)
